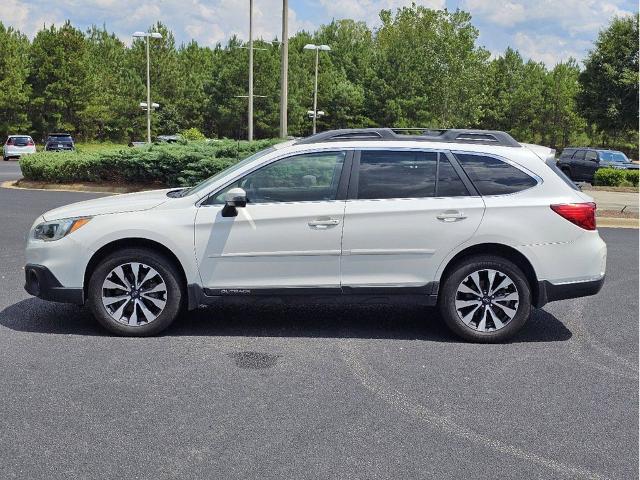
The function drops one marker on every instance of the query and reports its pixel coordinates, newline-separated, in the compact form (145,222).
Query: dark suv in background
(59,142)
(580,164)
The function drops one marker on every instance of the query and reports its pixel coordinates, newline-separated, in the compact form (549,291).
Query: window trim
(343,182)
(355,173)
(517,166)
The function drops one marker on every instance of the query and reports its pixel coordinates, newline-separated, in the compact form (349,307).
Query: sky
(548,31)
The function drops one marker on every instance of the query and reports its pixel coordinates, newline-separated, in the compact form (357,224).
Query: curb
(612,222)
(78,188)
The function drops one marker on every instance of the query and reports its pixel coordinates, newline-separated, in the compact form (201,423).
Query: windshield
(59,139)
(609,156)
(21,141)
(211,180)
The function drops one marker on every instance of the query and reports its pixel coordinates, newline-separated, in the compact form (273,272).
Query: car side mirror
(234,199)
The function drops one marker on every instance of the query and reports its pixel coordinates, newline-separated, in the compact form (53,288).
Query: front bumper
(550,292)
(41,283)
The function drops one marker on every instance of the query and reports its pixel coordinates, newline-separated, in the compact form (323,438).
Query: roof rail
(446,135)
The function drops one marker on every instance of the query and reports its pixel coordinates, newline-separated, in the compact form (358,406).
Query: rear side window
(591,155)
(492,176)
(551,163)
(579,155)
(567,153)
(397,174)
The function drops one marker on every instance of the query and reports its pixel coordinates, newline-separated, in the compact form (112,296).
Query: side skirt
(426,295)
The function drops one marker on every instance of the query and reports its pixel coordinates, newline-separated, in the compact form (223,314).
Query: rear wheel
(485,299)
(567,172)
(135,292)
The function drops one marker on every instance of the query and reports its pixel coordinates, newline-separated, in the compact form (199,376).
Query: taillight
(10,141)
(30,143)
(581,214)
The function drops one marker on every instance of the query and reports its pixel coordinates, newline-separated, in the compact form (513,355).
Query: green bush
(632,177)
(161,164)
(192,134)
(609,177)
(612,177)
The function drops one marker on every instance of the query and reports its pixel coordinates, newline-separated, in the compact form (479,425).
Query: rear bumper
(550,292)
(17,153)
(41,283)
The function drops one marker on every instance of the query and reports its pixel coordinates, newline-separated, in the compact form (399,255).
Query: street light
(146,36)
(284,69)
(317,48)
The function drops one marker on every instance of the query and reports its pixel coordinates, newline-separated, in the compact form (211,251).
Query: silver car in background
(17,145)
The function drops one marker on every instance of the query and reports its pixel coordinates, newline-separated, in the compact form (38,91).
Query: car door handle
(451,216)
(323,223)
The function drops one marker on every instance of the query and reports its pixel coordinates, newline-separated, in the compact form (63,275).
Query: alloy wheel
(134,294)
(487,300)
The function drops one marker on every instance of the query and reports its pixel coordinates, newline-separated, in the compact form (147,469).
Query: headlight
(56,229)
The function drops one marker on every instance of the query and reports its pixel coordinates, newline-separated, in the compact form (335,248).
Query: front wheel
(485,299)
(135,292)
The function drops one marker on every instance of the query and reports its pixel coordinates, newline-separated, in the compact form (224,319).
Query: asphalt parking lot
(361,392)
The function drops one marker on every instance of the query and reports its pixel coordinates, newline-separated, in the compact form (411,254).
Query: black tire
(169,274)
(567,172)
(449,289)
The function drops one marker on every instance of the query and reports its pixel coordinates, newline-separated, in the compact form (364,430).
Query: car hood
(130,202)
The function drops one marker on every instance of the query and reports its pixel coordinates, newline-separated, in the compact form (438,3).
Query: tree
(609,82)
(561,121)
(14,88)
(195,65)
(58,77)
(429,72)
(115,90)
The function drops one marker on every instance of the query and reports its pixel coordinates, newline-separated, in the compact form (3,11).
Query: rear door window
(492,176)
(397,174)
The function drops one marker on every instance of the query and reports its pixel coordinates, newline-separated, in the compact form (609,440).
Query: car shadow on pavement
(314,321)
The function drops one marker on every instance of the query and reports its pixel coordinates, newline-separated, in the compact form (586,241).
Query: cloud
(369,10)
(549,49)
(208,22)
(571,15)
(27,17)
(545,30)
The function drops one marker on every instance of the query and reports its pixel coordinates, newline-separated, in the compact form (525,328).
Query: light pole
(317,48)
(284,69)
(146,36)
(250,129)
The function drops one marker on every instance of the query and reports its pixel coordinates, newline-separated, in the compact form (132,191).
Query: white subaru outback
(469,220)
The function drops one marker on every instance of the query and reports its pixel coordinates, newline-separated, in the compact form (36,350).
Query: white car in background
(17,145)
(470,221)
